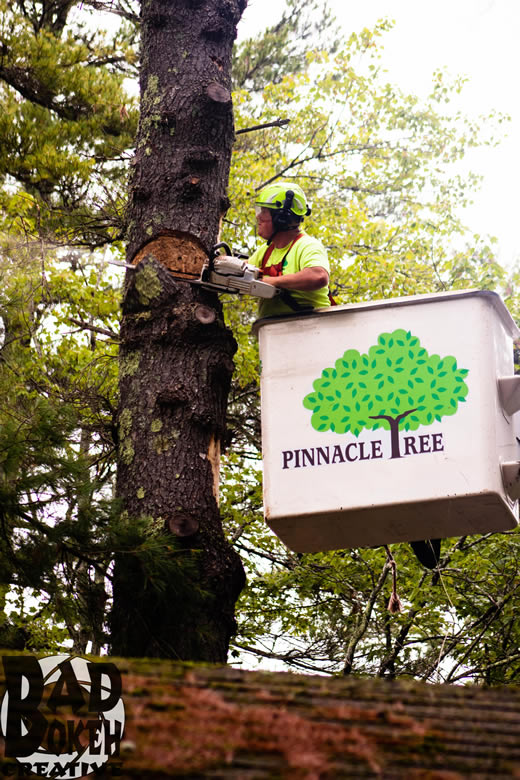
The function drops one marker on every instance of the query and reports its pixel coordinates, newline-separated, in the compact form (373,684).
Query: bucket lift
(390,421)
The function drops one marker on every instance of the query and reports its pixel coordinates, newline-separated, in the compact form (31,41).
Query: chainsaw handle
(214,253)
(214,250)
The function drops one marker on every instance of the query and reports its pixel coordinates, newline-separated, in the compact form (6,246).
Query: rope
(394,604)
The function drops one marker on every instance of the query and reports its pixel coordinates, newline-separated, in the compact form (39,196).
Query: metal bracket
(511,478)
(509,393)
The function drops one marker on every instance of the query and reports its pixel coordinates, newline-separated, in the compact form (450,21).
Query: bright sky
(475,38)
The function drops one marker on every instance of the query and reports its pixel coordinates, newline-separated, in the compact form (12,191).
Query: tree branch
(487,668)
(487,618)
(94,329)
(287,563)
(276,123)
(364,621)
(109,7)
(291,657)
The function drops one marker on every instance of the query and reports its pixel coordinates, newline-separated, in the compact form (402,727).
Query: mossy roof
(222,722)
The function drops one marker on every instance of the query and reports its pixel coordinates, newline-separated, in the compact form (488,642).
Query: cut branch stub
(217,93)
(183,524)
(205,314)
(149,285)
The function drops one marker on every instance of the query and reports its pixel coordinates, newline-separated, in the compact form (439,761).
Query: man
(291,260)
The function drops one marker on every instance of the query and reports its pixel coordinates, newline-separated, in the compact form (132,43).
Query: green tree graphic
(397,386)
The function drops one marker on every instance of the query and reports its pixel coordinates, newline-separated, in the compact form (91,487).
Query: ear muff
(287,206)
(284,218)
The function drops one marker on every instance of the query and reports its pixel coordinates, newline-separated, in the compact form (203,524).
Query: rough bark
(181,166)
(176,353)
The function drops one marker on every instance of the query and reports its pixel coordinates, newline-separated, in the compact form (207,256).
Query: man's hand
(306,280)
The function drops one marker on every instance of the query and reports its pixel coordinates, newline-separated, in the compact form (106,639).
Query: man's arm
(313,278)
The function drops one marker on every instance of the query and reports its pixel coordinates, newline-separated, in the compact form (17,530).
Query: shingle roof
(197,722)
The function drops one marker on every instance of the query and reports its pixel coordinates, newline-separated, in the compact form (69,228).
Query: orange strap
(276,270)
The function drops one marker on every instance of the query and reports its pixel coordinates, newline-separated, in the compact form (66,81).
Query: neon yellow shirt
(307,252)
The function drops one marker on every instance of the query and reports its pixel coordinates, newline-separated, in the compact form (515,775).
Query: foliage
(328,612)
(66,122)
(378,167)
(55,428)
(281,49)
(60,527)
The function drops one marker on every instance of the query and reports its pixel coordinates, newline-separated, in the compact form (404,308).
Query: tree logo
(396,386)
(61,716)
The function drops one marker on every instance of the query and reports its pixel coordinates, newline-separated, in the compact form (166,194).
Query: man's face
(264,221)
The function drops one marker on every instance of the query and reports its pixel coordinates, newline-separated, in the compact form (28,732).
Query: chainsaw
(227,273)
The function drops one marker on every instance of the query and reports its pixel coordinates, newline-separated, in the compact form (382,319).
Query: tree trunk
(186,131)
(174,595)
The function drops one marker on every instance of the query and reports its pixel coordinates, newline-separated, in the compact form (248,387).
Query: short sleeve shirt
(307,252)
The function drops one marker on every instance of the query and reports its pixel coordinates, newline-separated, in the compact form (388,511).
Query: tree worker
(290,260)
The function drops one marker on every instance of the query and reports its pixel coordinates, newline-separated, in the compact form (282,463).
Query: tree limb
(103,331)
(487,668)
(364,620)
(487,618)
(291,657)
(276,123)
